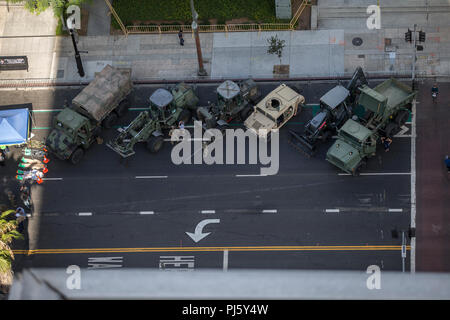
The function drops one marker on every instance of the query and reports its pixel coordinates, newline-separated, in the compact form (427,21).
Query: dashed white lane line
(146,212)
(208,211)
(52,179)
(270,211)
(332,210)
(225,260)
(379,174)
(151,177)
(395,210)
(85,214)
(251,175)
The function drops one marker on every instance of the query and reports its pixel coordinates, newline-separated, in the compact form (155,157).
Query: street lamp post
(201,69)
(77,54)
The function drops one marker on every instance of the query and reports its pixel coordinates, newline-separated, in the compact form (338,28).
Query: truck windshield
(349,138)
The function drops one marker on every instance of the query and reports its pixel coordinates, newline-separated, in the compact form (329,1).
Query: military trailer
(274,110)
(387,108)
(167,109)
(97,106)
(234,101)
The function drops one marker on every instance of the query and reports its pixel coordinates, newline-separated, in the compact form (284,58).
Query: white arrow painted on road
(402,132)
(198,234)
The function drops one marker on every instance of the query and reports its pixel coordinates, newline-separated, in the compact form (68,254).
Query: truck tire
(390,129)
(110,120)
(76,156)
(246,112)
(154,144)
(185,116)
(402,117)
(123,107)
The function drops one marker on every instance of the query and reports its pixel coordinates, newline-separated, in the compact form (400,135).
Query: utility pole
(414,61)
(70,26)
(201,69)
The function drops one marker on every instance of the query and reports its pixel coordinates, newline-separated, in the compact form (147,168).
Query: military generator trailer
(335,109)
(97,106)
(234,101)
(387,108)
(167,109)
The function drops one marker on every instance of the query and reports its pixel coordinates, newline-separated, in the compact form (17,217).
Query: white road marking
(270,211)
(403,131)
(331,210)
(105,262)
(146,212)
(413,186)
(379,174)
(85,214)
(151,177)
(395,210)
(225,260)
(208,211)
(52,179)
(251,175)
(174,263)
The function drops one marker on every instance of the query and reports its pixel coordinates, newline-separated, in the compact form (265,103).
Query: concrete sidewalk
(315,53)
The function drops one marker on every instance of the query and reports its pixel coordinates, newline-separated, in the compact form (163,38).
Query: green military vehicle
(98,105)
(234,101)
(386,108)
(167,109)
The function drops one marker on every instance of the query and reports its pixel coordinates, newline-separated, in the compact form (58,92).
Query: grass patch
(140,11)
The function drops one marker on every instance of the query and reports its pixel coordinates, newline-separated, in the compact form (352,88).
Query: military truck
(167,108)
(234,101)
(386,108)
(335,109)
(97,106)
(274,110)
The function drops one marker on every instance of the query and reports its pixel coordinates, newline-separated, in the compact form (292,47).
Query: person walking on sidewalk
(180,36)
(2,158)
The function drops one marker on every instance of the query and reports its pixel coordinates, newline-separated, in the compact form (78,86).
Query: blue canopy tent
(14,126)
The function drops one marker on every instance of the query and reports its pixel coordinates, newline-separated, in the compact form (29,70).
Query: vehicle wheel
(76,156)
(246,112)
(123,107)
(110,120)
(184,116)
(402,117)
(154,144)
(390,129)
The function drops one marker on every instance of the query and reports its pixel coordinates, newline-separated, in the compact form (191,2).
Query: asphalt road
(308,216)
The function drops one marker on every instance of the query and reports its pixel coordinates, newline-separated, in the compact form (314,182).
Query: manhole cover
(357,41)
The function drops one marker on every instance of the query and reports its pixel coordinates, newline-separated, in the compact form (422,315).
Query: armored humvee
(275,110)
(167,108)
(98,105)
(234,100)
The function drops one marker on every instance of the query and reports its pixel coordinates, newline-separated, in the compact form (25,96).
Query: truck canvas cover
(104,93)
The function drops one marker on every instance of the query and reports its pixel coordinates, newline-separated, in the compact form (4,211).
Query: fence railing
(158,29)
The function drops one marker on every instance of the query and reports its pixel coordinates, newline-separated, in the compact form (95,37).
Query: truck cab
(70,130)
(354,144)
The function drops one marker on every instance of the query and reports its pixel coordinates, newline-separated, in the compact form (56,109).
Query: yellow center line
(212,249)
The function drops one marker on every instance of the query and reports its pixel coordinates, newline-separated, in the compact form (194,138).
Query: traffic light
(408,36)
(421,36)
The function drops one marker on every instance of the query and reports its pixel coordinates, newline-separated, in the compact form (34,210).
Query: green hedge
(179,10)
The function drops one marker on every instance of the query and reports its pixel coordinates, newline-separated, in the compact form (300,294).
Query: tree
(276,46)
(8,233)
(38,6)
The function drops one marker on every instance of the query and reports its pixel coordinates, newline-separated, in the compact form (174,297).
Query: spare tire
(155,143)
(246,112)
(76,156)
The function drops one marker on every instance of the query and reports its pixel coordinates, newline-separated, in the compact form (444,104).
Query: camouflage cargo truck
(274,110)
(167,108)
(387,108)
(97,106)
